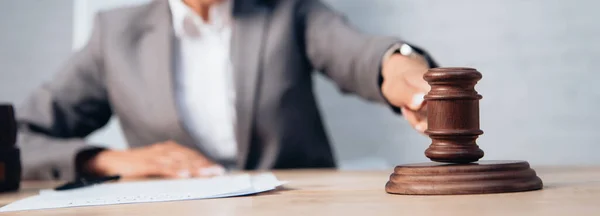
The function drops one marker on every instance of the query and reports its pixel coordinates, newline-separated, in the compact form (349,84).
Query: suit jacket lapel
(248,40)
(156,63)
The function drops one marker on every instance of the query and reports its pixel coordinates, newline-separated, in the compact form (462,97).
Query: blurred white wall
(34,41)
(536,56)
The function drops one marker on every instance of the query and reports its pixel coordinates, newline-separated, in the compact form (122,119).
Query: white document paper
(149,191)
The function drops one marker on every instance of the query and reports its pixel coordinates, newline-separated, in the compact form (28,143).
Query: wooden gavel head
(453,115)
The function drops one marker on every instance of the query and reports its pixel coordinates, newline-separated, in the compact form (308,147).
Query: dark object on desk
(453,126)
(10,156)
(85,182)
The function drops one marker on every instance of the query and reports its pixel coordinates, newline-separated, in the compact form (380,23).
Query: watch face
(406,50)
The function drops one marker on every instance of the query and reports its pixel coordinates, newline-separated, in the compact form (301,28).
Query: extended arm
(364,64)
(352,59)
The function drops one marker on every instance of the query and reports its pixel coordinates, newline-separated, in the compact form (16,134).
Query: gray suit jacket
(126,70)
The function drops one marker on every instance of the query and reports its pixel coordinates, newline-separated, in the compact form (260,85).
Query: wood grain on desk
(567,191)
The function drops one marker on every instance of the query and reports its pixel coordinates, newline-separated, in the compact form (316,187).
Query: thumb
(418,83)
(417,101)
(416,89)
(416,80)
(412,97)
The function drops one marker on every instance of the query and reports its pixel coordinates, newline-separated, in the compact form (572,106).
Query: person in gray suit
(203,85)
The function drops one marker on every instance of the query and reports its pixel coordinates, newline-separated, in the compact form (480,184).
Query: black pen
(83,182)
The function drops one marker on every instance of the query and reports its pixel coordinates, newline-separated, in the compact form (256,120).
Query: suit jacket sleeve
(352,59)
(56,118)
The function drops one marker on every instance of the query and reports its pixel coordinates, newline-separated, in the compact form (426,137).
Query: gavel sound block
(10,159)
(453,126)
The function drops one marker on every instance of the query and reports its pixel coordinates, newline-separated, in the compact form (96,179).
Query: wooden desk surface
(567,191)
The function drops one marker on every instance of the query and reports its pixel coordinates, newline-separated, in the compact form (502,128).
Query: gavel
(453,126)
(10,156)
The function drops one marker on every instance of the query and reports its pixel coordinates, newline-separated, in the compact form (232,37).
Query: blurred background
(536,56)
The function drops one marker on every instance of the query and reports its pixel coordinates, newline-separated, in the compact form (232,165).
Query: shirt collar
(184,18)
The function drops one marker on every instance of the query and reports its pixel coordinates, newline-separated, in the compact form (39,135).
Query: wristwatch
(402,49)
(405,50)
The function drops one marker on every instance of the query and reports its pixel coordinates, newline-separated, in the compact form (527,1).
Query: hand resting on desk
(167,159)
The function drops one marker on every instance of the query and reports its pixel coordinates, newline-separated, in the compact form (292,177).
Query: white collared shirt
(203,72)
